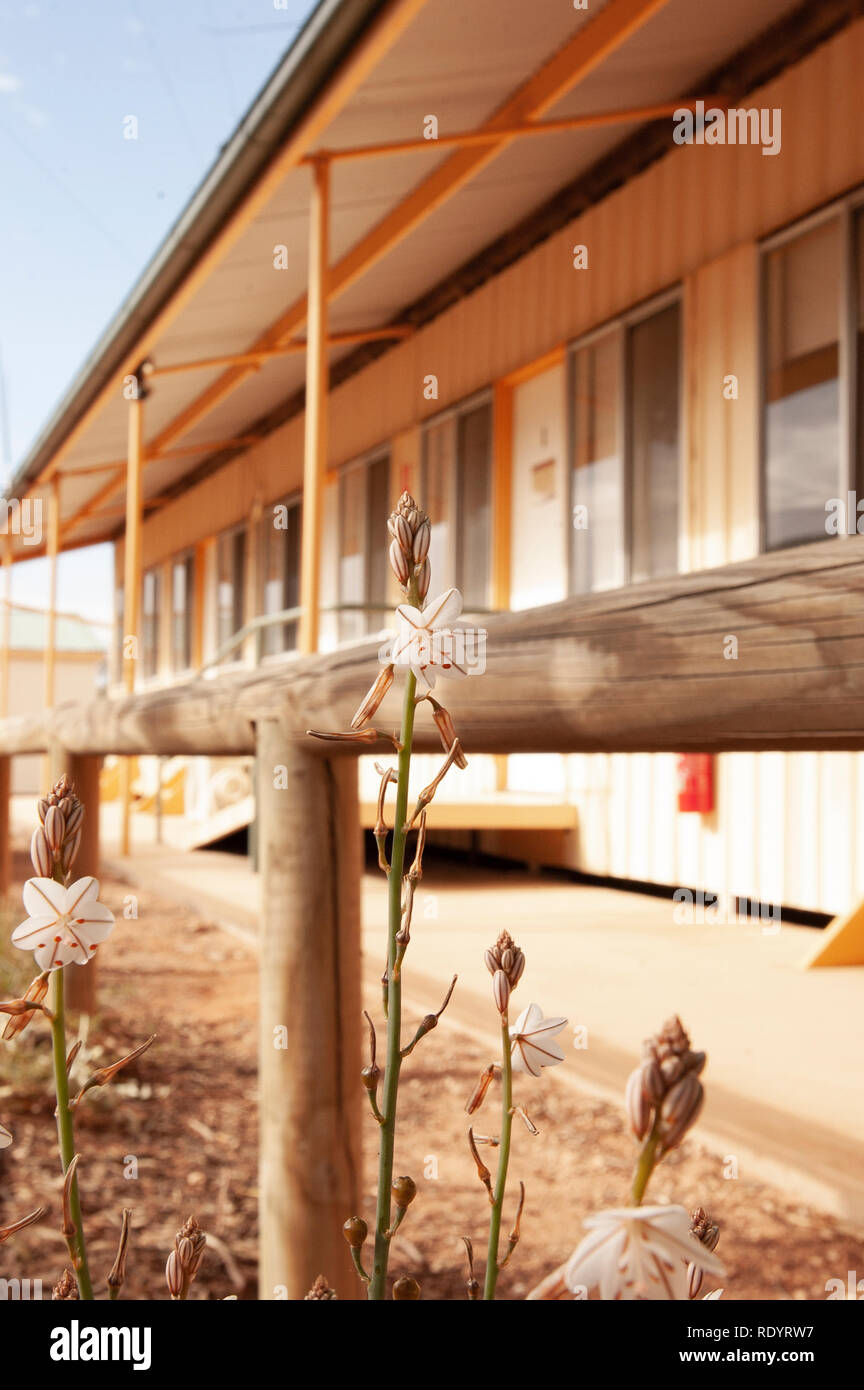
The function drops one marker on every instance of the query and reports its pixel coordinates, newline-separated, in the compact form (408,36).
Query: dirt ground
(184,1118)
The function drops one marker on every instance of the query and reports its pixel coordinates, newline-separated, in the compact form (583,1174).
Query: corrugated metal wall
(786,826)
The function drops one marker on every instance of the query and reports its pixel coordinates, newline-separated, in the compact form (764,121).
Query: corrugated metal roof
(459,60)
(28,631)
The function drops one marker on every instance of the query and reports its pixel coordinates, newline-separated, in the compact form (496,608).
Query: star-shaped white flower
(5,1137)
(431,642)
(533,1041)
(639,1253)
(64,925)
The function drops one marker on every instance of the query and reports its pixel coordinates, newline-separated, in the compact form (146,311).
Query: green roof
(28,631)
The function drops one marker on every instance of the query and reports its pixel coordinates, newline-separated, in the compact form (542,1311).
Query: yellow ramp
(842,943)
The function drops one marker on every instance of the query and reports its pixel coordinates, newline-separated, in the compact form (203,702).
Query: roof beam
(256,359)
(590,46)
(489,136)
(592,43)
(388,26)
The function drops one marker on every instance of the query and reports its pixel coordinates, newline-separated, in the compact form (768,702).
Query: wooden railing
(767,654)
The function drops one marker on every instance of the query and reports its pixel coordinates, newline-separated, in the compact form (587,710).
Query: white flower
(432,642)
(639,1253)
(64,924)
(533,1044)
(5,1137)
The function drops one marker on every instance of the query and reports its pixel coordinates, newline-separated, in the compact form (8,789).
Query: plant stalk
(66,1135)
(378,1281)
(645,1164)
(492,1269)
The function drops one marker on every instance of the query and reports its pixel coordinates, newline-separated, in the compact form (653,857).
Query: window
(456,492)
(802,450)
(625,451)
(364,504)
(182,611)
(280,573)
(119,625)
(230,587)
(598,481)
(653,413)
(151,605)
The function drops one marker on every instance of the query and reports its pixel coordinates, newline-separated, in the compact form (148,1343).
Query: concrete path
(785,1045)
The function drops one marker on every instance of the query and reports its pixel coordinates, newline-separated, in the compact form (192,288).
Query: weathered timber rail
(644,668)
(647,668)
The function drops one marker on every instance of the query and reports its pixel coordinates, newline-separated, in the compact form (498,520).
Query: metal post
(315,447)
(132,577)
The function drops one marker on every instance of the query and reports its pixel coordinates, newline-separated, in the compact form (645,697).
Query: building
(603,332)
(80,669)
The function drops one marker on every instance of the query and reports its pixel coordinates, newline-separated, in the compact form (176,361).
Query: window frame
(291,500)
(850,470)
(621,324)
(484,397)
(228,533)
(185,557)
(374,620)
(157,618)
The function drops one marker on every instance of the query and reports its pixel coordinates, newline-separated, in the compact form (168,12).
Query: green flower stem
(492,1267)
(66,1134)
(378,1282)
(645,1164)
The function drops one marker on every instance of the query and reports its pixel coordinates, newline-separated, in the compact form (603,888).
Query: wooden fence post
(84,772)
(5,829)
(310,1094)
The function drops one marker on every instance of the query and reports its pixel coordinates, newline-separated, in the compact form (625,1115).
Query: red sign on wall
(696,782)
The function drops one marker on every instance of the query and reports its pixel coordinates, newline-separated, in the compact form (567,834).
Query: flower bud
(399,563)
(355,1232)
(493,960)
(66,1288)
(404,1191)
(637,1104)
(423,574)
(320,1290)
(55,829)
(402,532)
(501,991)
(174,1276)
(71,846)
(422,538)
(40,854)
(680,1110)
(405,1290)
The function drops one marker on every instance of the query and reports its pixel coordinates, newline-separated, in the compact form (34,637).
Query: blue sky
(84,208)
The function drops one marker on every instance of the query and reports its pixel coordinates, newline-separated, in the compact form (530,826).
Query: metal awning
(359,74)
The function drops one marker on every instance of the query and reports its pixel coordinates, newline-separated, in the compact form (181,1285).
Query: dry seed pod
(355,1232)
